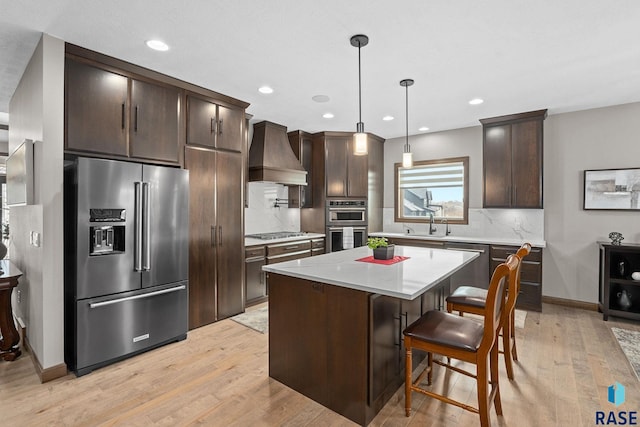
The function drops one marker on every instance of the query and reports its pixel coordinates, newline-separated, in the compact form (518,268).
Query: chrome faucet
(432,228)
(448,231)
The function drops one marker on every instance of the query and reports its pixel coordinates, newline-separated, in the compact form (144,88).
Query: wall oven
(341,213)
(346,213)
(335,238)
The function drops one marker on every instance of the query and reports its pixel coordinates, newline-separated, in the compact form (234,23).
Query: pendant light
(359,138)
(407,156)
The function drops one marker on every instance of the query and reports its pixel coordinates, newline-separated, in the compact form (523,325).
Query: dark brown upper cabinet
(512,160)
(346,173)
(301,196)
(213,125)
(113,114)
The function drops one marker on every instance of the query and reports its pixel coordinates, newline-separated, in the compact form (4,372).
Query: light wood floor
(219,377)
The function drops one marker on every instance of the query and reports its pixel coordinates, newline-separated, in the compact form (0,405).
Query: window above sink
(433,190)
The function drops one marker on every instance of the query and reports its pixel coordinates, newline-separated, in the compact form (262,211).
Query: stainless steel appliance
(345,213)
(335,238)
(126,259)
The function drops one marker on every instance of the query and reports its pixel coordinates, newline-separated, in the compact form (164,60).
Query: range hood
(271,157)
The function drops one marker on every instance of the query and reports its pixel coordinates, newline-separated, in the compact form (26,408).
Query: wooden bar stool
(463,339)
(470,299)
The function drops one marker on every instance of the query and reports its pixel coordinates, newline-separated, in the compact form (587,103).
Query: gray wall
(37,112)
(591,139)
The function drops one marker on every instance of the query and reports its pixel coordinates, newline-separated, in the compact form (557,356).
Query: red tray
(396,259)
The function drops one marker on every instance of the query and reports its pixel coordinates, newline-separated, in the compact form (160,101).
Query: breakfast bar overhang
(336,321)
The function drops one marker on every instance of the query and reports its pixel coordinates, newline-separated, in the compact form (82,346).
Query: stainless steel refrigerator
(126,259)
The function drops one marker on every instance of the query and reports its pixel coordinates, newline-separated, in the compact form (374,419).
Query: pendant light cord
(407,148)
(359,87)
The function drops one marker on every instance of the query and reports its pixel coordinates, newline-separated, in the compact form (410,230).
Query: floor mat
(630,343)
(257,320)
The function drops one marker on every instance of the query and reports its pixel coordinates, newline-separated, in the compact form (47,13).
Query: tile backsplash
(262,216)
(522,224)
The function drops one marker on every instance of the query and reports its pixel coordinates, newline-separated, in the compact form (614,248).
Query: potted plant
(381,247)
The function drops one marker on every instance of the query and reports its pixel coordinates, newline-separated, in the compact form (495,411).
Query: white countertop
(408,279)
(453,238)
(249,241)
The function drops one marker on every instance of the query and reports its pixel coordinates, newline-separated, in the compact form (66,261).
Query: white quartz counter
(248,241)
(407,279)
(450,238)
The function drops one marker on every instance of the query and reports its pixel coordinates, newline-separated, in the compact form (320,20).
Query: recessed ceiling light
(265,89)
(157,45)
(328,115)
(423,129)
(476,101)
(387,118)
(320,98)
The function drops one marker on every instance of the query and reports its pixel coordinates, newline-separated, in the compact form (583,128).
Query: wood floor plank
(219,377)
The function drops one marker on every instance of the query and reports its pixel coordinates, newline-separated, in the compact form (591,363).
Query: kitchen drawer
(317,243)
(288,247)
(119,325)
(255,251)
(529,272)
(502,252)
(317,251)
(288,257)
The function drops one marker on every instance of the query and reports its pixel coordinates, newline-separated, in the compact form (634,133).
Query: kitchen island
(335,323)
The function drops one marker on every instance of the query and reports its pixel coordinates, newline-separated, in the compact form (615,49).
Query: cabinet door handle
(220,127)
(122,118)
(220,235)
(213,124)
(213,236)
(135,126)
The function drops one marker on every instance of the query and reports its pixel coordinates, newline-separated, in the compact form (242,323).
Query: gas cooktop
(276,235)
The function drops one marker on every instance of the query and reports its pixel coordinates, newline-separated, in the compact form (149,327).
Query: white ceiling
(517,55)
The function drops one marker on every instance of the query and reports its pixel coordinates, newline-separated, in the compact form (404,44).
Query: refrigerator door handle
(147,295)
(137,241)
(146,228)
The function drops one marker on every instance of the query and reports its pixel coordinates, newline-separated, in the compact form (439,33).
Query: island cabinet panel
(341,347)
(385,335)
(298,335)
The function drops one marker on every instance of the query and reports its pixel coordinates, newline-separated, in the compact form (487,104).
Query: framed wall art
(612,189)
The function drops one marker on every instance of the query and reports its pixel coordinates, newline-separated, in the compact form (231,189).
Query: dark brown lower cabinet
(530,297)
(341,347)
(216,240)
